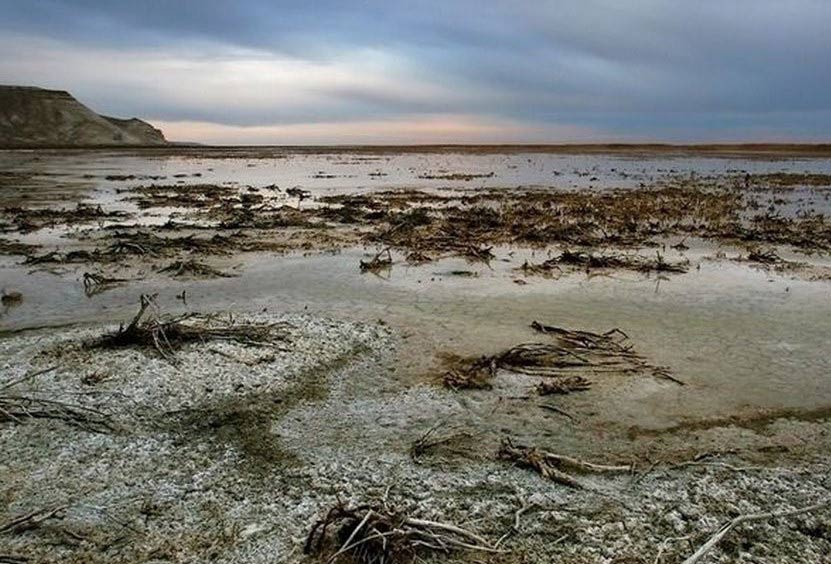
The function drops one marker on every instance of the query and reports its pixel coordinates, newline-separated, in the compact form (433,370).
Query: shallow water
(67,176)
(742,339)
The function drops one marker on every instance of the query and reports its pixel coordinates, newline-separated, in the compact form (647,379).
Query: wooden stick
(720,534)
(28,377)
(31,520)
(346,546)
(583,465)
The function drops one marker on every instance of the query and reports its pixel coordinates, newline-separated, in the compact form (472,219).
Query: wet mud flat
(463,371)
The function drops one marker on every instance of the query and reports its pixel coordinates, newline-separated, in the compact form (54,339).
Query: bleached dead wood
(747,518)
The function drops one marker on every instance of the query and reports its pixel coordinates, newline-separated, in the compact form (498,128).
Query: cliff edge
(36,117)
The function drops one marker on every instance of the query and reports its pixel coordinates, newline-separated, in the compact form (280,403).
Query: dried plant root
(166,334)
(378,535)
(552,466)
(726,528)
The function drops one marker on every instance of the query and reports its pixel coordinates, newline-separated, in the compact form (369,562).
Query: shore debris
(147,244)
(475,375)
(769,260)
(179,195)
(299,193)
(595,353)
(32,520)
(8,247)
(764,256)
(417,257)
(567,361)
(381,261)
(27,220)
(377,534)
(429,226)
(97,283)
(748,518)
(123,245)
(563,386)
(553,466)
(546,268)
(791,179)
(18,408)
(165,334)
(589,261)
(193,268)
(465,177)
(433,440)
(11,298)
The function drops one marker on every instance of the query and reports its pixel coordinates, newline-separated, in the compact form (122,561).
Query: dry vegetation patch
(165,334)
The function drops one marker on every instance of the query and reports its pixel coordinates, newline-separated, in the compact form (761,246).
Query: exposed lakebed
(723,282)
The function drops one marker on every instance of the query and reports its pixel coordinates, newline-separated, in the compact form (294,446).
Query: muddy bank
(233,452)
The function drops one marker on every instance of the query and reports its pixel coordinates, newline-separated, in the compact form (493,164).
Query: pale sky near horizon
(435,71)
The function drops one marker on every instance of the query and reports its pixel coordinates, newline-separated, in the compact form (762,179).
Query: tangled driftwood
(165,334)
(193,268)
(552,466)
(569,359)
(748,518)
(379,535)
(19,407)
(97,283)
(381,261)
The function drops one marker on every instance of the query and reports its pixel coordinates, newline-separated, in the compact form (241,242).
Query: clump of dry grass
(18,407)
(165,334)
(377,534)
(591,261)
(570,358)
(194,268)
(435,439)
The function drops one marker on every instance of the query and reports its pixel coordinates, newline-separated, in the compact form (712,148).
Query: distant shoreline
(708,149)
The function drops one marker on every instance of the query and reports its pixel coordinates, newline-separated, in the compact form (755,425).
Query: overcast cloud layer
(260,71)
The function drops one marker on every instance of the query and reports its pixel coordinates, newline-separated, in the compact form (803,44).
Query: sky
(435,71)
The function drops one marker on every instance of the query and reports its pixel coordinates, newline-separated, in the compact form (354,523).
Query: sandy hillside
(36,117)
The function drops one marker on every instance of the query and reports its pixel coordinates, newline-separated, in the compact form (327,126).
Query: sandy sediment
(232,452)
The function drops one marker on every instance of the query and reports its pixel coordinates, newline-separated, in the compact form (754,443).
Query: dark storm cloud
(641,68)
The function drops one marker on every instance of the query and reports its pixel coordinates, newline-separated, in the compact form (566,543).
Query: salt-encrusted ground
(230,456)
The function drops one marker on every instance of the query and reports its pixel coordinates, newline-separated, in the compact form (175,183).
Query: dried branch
(379,535)
(747,518)
(552,466)
(166,334)
(17,408)
(32,520)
